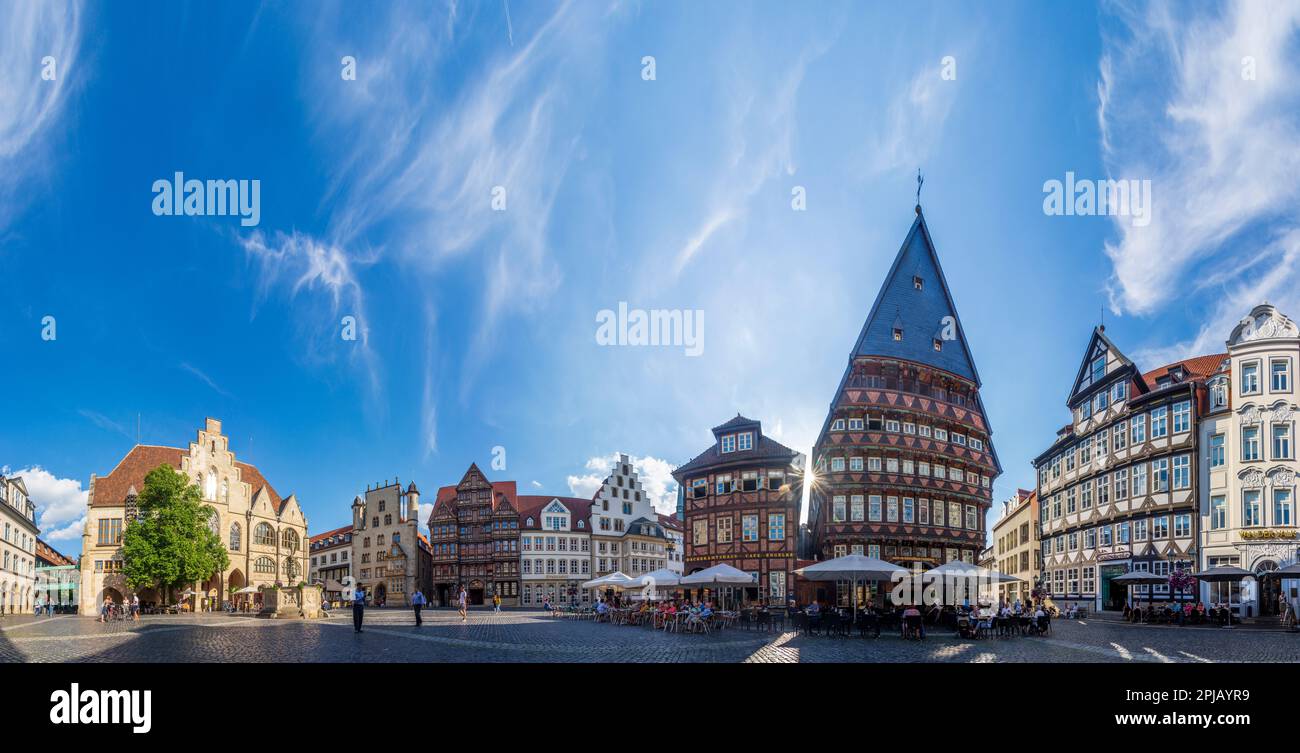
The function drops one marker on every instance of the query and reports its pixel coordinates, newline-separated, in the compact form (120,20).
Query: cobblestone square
(531,636)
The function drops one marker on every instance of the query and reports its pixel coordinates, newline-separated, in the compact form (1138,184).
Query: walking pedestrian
(135,607)
(358,608)
(417,601)
(496,602)
(464,604)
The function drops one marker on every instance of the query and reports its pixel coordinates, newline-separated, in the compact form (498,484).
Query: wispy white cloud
(106,423)
(656,477)
(1177,104)
(60,504)
(913,122)
(29,103)
(202,377)
(324,277)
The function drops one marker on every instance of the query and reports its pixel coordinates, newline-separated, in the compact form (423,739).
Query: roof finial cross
(919,181)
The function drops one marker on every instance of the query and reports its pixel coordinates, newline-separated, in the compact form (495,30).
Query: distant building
(265,535)
(676,554)
(331,562)
(742,507)
(1015,546)
(18,562)
(57,578)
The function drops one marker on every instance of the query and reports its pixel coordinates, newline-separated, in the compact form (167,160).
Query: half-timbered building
(1117,489)
(474,534)
(905,462)
(742,507)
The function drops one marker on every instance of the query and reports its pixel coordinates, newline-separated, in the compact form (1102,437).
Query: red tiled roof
(670,521)
(49,554)
(130,471)
(327,534)
(447,495)
(530,505)
(1196,368)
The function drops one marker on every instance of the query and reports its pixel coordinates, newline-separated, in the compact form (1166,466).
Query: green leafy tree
(172,543)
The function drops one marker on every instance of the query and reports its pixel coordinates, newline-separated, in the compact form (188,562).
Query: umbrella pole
(853,620)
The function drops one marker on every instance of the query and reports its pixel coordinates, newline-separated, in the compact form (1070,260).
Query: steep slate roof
(111,490)
(918,312)
(764,448)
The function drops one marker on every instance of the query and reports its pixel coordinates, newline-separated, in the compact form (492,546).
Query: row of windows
(333,558)
(20,565)
(556,543)
(749,529)
(557,567)
(1013,538)
(1252,509)
(924,512)
(908,467)
(895,426)
(1153,529)
(736,442)
(496,525)
(1083,580)
(1131,431)
(890,552)
(1281,445)
(1137,480)
(1279,376)
(747,481)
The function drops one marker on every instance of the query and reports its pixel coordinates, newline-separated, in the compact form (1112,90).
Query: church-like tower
(905,461)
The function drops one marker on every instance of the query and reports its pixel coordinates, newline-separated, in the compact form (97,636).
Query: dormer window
(837,425)
(746,440)
(938,344)
(898,333)
(917,282)
(729,443)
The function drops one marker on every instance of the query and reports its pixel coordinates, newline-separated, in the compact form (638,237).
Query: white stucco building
(17,547)
(1248,463)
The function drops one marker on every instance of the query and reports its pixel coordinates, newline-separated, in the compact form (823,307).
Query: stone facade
(390,558)
(265,535)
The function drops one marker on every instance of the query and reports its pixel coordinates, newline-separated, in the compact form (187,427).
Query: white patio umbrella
(854,568)
(958,569)
(661,578)
(247,590)
(615,579)
(719,575)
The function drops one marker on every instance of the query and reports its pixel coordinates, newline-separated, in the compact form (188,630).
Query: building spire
(919,181)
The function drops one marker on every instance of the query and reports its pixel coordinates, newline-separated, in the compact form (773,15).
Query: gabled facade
(742,507)
(474,534)
(1248,465)
(555,550)
(617,504)
(390,557)
(265,535)
(1117,489)
(905,462)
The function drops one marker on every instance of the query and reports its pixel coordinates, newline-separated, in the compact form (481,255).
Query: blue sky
(478,325)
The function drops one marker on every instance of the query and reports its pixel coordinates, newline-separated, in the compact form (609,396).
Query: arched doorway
(1270,589)
(110,593)
(475,592)
(381,593)
(214,589)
